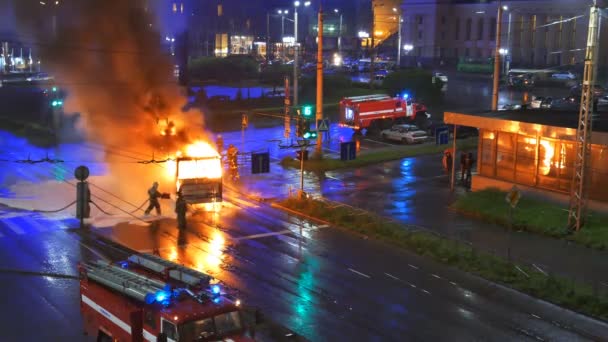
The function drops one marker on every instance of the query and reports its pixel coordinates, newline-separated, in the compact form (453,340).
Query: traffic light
(307,112)
(302,126)
(308,134)
(57,103)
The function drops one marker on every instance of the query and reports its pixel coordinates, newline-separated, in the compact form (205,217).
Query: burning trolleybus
(198,175)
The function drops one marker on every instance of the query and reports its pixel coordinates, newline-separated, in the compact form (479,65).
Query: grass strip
(560,291)
(377,156)
(535,216)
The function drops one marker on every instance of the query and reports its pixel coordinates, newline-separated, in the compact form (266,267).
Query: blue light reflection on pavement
(13,148)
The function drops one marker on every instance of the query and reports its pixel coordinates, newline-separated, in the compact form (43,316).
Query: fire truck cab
(380,111)
(147,298)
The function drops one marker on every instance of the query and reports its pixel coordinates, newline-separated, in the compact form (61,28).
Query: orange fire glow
(547,159)
(206,163)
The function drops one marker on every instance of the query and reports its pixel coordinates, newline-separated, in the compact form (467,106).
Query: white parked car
(408,134)
(566,75)
(442,77)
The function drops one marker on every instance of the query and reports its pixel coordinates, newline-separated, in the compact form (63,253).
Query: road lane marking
(14,227)
(453,283)
(522,271)
(535,316)
(412,266)
(412,285)
(391,276)
(436,276)
(359,273)
(425,291)
(261,235)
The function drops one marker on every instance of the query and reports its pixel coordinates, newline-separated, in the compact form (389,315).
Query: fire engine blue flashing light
(217,300)
(405,95)
(54,88)
(215,289)
(123,264)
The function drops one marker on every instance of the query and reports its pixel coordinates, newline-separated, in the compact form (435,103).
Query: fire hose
(41,211)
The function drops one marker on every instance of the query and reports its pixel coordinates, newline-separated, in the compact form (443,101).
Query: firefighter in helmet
(153,196)
(219,142)
(232,153)
(181,207)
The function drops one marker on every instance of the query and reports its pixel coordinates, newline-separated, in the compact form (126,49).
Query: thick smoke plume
(107,55)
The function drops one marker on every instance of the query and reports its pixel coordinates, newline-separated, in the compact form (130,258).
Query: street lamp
(339,33)
(400,19)
(503,52)
(296,47)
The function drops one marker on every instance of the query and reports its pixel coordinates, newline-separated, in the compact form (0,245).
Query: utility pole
(319,113)
(339,34)
(579,192)
(296,51)
(399,41)
(372,51)
(497,59)
(267,38)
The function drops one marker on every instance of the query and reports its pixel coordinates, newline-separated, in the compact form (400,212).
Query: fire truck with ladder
(381,111)
(147,298)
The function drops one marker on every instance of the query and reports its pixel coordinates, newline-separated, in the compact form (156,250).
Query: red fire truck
(379,111)
(147,298)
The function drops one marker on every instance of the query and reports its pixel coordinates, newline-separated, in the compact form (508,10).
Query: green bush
(535,216)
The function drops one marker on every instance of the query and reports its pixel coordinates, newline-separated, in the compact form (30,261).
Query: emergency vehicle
(147,298)
(200,179)
(377,111)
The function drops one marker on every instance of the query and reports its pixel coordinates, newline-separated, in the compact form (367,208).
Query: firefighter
(153,196)
(220,144)
(232,154)
(180,209)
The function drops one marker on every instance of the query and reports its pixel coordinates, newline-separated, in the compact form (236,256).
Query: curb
(500,285)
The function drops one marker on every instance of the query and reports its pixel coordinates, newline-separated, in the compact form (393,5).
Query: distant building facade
(536,33)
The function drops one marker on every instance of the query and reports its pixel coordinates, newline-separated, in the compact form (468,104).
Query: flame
(547,161)
(206,163)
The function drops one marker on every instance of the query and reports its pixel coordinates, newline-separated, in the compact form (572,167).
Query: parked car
(541,102)
(564,75)
(408,134)
(603,100)
(442,77)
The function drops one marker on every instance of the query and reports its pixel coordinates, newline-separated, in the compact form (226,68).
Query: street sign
(348,151)
(323,125)
(442,135)
(513,196)
(508,58)
(260,163)
(245,121)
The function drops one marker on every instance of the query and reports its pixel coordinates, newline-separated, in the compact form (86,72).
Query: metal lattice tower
(579,195)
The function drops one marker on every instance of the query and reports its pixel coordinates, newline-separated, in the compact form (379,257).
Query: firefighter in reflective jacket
(180,209)
(153,196)
(232,153)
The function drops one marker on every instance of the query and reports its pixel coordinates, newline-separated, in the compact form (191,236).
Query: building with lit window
(535,149)
(534,32)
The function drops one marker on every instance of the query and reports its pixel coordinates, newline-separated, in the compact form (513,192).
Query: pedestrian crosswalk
(29,223)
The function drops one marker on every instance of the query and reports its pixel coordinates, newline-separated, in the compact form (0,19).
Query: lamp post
(282,13)
(503,52)
(497,58)
(339,33)
(296,47)
(400,19)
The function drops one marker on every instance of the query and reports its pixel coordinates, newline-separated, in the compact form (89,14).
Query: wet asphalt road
(325,285)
